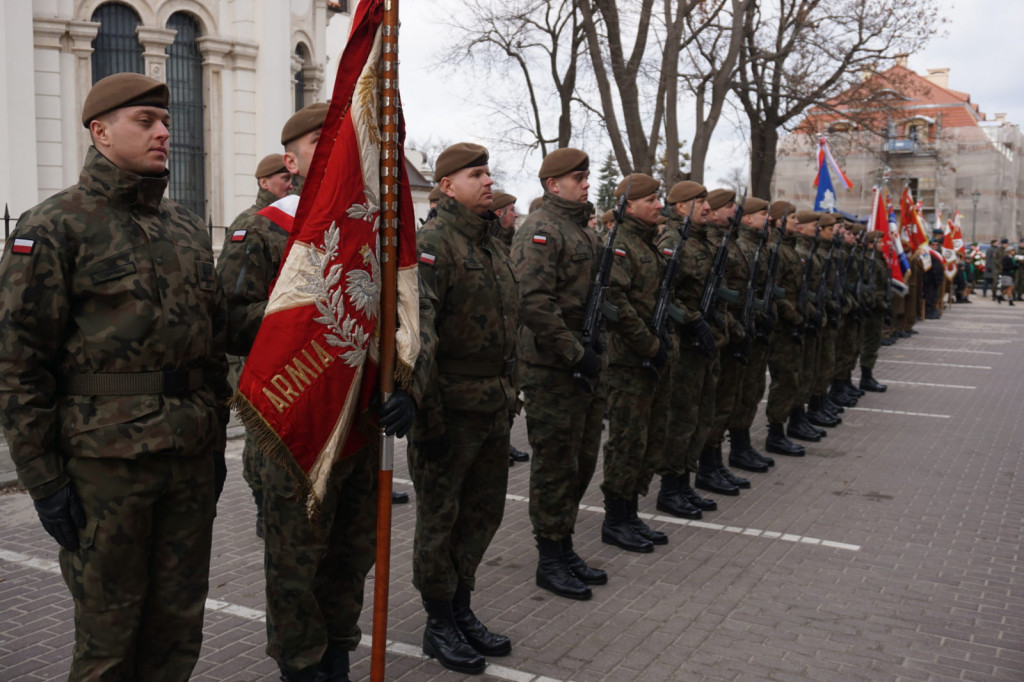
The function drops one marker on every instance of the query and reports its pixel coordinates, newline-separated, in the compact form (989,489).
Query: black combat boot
(617,530)
(334,664)
(443,640)
(702,503)
(725,473)
(832,406)
(868,383)
(800,428)
(579,567)
(475,632)
(809,426)
(710,478)
(742,456)
(310,674)
(853,389)
(779,444)
(817,416)
(656,537)
(554,575)
(399,497)
(671,501)
(517,455)
(838,395)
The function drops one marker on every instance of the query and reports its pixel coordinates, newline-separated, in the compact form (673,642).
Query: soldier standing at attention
(874,313)
(638,381)
(113,388)
(556,256)
(274,181)
(463,385)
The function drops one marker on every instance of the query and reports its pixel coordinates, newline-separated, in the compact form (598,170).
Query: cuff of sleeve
(38,492)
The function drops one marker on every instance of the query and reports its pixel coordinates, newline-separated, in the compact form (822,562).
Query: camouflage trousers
(637,414)
(251,463)
(315,569)
(564,424)
(826,364)
(872,339)
(846,347)
(691,409)
(460,499)
(140,576)
(727,392)
(754,380)
(784,363)
(808,368)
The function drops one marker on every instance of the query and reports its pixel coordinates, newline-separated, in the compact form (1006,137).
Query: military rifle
(592,316)
(750,299)
(714,280)
(805,284)
(663,304)
(764,304)
(823,284)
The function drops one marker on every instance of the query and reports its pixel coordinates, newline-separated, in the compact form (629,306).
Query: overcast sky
(981,45)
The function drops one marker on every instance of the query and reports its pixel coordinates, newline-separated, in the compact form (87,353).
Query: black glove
(700,332)
(741,350)
(60,513)
(589,365)
(397,414)
(765,327)
(664,346)
(432,450)
(220,474)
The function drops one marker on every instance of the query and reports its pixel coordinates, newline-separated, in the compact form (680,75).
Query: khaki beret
(305,120)
(124,90)
(640,185)
(272,164)
(854,228)
(827,219)
(435,194)
(608,216)
(717,198)
(458,156)
(562,161)
(501,200)
(806,217)
(753,205)
(685,191)
(780,208)
(874,234)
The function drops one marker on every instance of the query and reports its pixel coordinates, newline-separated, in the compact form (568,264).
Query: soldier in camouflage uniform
(849,322)
(877,274)
(742,453)
(113,388)
(556,256)
(819,411)
(695,362)
(786,338)
(639,383)
(274,182)
(463,385)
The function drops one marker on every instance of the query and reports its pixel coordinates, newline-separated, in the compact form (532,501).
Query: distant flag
(825,158)
(879,220)
(825,200)
(958,234)
(910,221)
(949,251)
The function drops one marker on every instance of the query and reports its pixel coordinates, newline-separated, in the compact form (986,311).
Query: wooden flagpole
(390,168)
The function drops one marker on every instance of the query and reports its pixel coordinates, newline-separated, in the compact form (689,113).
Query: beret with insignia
(123,90)
(458,156)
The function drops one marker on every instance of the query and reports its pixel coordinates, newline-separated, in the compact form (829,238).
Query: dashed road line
(957,350)
(901,412)
(934,364)
(215,605)
(921,383)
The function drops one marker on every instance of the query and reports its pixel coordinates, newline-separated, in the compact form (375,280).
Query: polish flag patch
(238,235)
(620,252)
(428,258)
(667,251)
(23,246)
(540,239)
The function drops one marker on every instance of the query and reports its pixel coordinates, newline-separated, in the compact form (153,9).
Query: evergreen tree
(608,180)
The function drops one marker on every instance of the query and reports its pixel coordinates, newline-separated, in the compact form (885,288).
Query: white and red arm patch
(540,239)
(23,247)
(428,258)
(620,252)
(239,235)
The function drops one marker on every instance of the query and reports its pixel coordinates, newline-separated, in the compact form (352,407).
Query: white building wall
(19,184)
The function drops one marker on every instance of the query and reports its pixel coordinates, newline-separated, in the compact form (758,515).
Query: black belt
(170,382)
(476,368)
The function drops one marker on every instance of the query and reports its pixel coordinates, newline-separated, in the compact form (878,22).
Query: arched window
(185,80)
(116,47)
(300,76)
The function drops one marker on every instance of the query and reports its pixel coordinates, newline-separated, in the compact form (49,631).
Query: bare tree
(797,53)
(736,180)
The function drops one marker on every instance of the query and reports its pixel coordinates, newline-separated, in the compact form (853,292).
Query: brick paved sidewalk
(891,552)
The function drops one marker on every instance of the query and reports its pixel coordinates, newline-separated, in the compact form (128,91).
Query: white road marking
(906,414)
(956,350)
(215,605)
(933,364)
(919,383)
(969,340)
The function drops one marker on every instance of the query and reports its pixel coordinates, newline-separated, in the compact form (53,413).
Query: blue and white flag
(825,201)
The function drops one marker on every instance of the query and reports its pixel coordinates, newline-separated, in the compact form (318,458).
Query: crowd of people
(659,322)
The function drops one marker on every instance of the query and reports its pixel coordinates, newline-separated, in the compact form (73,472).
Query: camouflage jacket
(108,277)
(247,266)
(803,249)
(469,303)
(881,274)
(264,198)
(556,256)
(504,238)
(694,267)
(789,275)
(632,288)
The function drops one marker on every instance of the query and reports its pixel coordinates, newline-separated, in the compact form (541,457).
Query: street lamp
(975,195)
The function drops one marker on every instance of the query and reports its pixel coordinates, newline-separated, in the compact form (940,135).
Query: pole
(975,195)
(7,222)
(390,168)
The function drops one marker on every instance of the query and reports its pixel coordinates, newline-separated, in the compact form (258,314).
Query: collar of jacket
(576,211)
(789,238)
(750,234)
(297,182)
(804,239)
(639,227)
(121,186)
(462,220)
(265,198)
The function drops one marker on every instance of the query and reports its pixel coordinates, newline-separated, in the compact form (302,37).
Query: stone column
(217,139)
(154,43)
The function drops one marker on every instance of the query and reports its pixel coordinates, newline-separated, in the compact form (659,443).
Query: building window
(116,45)
(300,76)
(185,79)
